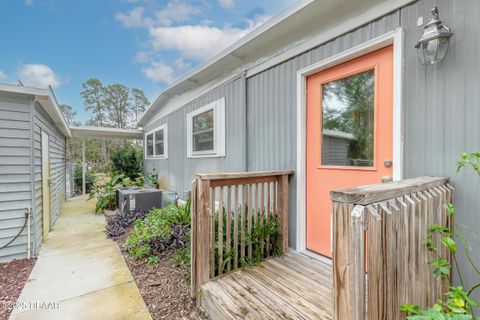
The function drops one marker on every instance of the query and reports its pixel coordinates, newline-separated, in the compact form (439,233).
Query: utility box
(140,198)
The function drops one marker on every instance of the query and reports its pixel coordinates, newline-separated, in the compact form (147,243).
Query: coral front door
(349,135)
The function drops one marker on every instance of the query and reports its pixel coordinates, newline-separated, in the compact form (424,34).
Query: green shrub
(105,194)
(128,161)
(154,233)
(152,179)
(153,260)
(264,233)
(77,178)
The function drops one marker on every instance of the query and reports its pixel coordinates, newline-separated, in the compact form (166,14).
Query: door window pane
(202,130)
(348,121)
(150,145)
(159,143)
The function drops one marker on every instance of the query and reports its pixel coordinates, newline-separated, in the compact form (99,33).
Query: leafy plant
(105,194)
(264,233)
(458,305)
(118,224)
(152,260)
(162,229)
(152,179)
(127,161)
(153,226)
(77,178)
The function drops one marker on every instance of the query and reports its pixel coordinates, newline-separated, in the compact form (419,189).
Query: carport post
(84,168)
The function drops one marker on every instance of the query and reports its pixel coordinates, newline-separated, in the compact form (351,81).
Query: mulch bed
(13,276)
(163,286)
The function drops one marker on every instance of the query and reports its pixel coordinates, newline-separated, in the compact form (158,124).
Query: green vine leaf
(451,208)
(450,244)
(410,309)
(441,268)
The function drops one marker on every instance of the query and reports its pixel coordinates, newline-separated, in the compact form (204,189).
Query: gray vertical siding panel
(442,117)
(15,173)
(57,169)
(177,171)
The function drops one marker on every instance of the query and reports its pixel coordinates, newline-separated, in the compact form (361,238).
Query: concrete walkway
(80,274)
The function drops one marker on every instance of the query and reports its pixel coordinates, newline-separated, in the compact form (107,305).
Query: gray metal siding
(442,110)
(176,172)
(15,172)
(57,169)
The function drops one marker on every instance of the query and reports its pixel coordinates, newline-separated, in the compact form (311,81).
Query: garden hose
(19,233)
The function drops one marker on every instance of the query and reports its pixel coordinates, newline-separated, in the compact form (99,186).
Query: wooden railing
(232,219)
(379,260)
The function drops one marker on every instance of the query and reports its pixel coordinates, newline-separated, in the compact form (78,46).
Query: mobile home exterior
(32,168)
(257,91)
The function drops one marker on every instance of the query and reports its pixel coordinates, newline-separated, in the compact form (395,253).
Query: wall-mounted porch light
(433,45)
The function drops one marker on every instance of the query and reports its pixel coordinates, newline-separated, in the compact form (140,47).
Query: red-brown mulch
(13,276)
(163,286)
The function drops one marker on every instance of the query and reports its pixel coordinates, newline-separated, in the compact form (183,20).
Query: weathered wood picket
(379,260)
(243,202)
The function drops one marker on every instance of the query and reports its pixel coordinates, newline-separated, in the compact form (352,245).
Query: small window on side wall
(206,131)
(156,143)
(149,145)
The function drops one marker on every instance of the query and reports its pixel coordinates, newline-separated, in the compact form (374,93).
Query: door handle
(387,163)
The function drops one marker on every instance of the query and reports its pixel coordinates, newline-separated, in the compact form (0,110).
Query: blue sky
(141,43)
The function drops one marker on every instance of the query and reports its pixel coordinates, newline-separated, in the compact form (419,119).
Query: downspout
(32,181)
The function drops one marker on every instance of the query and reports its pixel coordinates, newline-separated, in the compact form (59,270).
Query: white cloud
(3,75)
(198,42)
(227,4)
(182,65)
(170,29)
(38,75)
(175,11)
(142,57)
(160,72)
(132,19)
(194,42)
(28,2)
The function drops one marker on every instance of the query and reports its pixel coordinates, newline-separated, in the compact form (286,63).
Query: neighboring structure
(33,135)
(33,172)
(248,108)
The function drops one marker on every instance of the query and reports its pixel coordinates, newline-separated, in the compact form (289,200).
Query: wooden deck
(295,286)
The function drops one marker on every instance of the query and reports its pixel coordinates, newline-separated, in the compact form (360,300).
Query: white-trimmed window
(156,143)
(206,131)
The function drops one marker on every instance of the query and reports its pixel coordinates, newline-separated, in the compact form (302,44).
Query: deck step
(292,287)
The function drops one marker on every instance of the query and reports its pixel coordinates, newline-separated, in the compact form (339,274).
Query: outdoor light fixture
(433,45)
